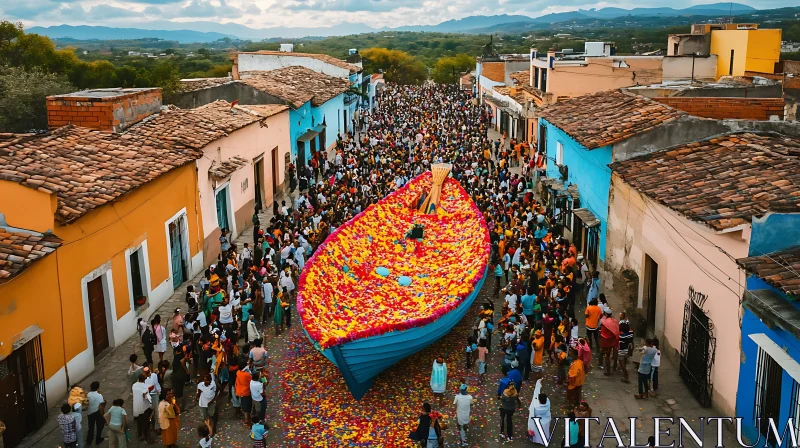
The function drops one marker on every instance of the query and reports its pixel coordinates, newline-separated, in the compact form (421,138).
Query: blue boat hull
(362,360)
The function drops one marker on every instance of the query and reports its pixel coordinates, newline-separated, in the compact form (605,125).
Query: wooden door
(23,400)
(258,174)
(97,315)
(274,173)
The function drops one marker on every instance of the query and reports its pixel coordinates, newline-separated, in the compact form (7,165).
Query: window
(559,153)
(136,263)
(222,208)
(730,69)
(768,391)
(675,49)
(536,77)
(544,80)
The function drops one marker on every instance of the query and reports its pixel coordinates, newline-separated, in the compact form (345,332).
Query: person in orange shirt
(593,313)
(538,354)
(242,389)
(575,378)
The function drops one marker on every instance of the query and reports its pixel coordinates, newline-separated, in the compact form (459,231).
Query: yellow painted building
(745,50)
(121,219)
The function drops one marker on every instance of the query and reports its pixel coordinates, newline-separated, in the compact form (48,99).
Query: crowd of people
(217,343)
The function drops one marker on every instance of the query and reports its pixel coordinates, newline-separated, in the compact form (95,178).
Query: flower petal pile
(344,291)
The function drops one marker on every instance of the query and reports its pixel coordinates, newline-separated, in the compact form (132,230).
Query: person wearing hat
(463,401)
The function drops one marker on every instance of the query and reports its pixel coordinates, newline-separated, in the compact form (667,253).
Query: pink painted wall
(600,74)
(249,143)
(687,255)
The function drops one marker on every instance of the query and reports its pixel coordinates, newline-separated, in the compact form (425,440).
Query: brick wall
(496,71)
(105,110)
(727,108)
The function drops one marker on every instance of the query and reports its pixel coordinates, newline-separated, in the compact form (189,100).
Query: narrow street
(299,409)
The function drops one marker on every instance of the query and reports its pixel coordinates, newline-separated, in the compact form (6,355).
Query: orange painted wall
(26,208)
(99,237)
(105,233)
(32,299)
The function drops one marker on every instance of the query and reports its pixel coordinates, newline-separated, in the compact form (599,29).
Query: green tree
(449,68)
(165,74)
(398,66)
(22,97)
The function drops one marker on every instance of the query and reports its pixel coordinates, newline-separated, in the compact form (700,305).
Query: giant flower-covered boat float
(395,278)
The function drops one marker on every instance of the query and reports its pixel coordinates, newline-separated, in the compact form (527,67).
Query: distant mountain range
(185,32)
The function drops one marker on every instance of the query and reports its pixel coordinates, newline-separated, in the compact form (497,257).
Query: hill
(84,32)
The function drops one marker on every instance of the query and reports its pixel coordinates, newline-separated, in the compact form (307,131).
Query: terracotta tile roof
(21,248)
(522,78)
(320,57)
(190,85)
(192,128)
(722,182)
(222,170)
(297,85)
(264,110)
(502,90)
(780,269)
(87,169)
(608,117)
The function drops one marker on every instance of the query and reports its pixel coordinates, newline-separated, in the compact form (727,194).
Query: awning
(495,101)
(586,215)
(308,135)
(221,170)
(773,310)
(573,191)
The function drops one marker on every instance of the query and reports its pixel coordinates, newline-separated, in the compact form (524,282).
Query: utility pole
(694,53)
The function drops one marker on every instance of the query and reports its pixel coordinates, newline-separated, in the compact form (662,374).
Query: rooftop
(779,269)
(20,248)
(522,78)
(296,85)
(87,169)
(264,110)
(320,57)
(103,94)
(605,118)
(190,85)
(722,182)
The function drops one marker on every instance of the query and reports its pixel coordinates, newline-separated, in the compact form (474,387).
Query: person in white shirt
(299,256)
(654,370)
(95,412)
(142,407)
(267,289)
(225,312)
(463,401)
(511,300)
(155,389)
(257,395)
(206,398)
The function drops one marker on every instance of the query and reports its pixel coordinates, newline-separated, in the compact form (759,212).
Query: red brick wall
(726,108)
(496,71)
(109,113)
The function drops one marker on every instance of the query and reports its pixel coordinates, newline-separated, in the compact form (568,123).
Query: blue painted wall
(299,124)
(331,111)
(745,397)
(774,232)
(587,169)
(307,117)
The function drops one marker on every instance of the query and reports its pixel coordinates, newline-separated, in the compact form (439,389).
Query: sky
(302,13)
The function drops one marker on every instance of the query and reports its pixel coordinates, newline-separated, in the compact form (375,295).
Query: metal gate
(23,407)
(698,346)
(767,404)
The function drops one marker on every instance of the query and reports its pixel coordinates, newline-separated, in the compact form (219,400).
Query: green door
(175,254)
(222,208)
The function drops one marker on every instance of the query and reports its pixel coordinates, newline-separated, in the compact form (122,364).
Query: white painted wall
(266,62)
(680,68)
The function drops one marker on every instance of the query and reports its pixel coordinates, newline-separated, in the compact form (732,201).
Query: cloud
(354,5)
(27,10)
(253,9)
(207,9)
(102,12)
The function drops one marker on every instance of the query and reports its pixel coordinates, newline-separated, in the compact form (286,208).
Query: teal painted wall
(588,169)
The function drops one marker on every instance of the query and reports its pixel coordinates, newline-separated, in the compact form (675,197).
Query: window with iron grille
(767,399)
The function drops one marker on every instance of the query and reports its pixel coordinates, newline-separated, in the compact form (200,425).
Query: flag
(234,103)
